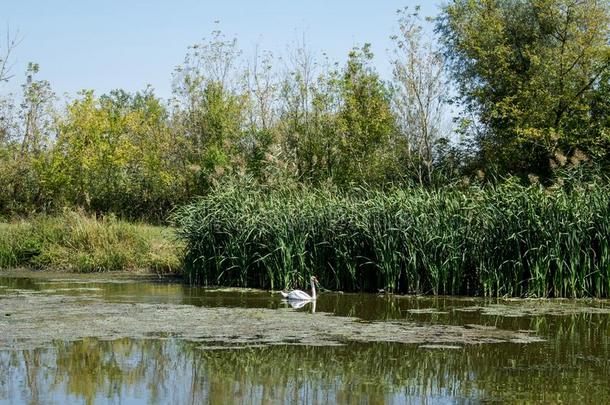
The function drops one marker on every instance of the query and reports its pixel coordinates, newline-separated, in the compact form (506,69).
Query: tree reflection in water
(174,371)
(572,366)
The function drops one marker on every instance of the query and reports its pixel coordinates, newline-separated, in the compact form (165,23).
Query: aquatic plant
(495,240)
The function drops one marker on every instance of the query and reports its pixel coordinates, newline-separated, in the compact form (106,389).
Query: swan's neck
(313,290)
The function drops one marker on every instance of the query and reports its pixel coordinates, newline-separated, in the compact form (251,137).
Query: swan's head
(314,279)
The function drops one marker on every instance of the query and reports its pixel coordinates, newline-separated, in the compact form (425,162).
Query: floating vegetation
(430,311)
(543,308)
(440,347)
(37,319)
(359,352)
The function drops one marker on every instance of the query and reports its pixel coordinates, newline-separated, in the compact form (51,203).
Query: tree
(262,107)
(420,94)
(324,147)
(296,96)
(36,110)
(365,120)
(116,153)
(529,70)
(8,123)
(209,109)
(34,133)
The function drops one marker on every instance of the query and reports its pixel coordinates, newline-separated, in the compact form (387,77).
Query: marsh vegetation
(504,240)
(479,167)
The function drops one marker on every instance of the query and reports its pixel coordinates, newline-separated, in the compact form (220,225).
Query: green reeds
(503,240)
(80,243)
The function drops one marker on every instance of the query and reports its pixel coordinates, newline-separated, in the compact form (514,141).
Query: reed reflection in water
(172,371)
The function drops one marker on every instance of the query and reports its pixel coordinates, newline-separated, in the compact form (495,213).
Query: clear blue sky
(128,44)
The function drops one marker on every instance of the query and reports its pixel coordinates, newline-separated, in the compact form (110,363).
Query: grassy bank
(79,243)
(505,240)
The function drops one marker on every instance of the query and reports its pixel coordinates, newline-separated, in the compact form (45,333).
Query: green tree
(262,91)
(26,147)
(420,92)
(324,147)
(154,179)
(295,124)
(529,71)
(365,121)
(311,100)
(209,109)
(116,153)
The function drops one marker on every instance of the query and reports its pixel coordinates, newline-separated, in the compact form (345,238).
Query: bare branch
(10,43)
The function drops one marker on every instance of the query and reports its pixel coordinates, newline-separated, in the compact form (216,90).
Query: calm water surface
(572,365)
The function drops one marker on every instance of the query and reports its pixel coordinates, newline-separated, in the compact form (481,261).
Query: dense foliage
(533,75)
(532,85)
(298,163)
(494,240)
(138,157)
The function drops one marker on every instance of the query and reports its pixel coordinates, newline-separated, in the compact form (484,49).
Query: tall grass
(503,240)
(80,243)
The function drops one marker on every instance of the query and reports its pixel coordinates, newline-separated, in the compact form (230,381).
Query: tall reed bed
(503,240)
(76,242)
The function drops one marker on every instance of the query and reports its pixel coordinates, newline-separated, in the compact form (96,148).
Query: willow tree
(529,71)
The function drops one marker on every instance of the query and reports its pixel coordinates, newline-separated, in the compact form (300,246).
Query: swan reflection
(301,304)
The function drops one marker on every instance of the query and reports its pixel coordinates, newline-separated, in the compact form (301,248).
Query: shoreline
(146,277)
(136,275)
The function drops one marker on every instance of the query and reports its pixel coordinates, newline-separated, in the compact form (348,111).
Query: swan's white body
(298,295)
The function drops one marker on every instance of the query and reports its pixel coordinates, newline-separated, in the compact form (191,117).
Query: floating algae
(440,347)
(428,311)
(528,308)
(38,319)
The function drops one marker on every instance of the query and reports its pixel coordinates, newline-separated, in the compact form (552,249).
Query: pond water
(67,339)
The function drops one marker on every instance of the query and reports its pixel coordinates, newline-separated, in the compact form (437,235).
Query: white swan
(298,295)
